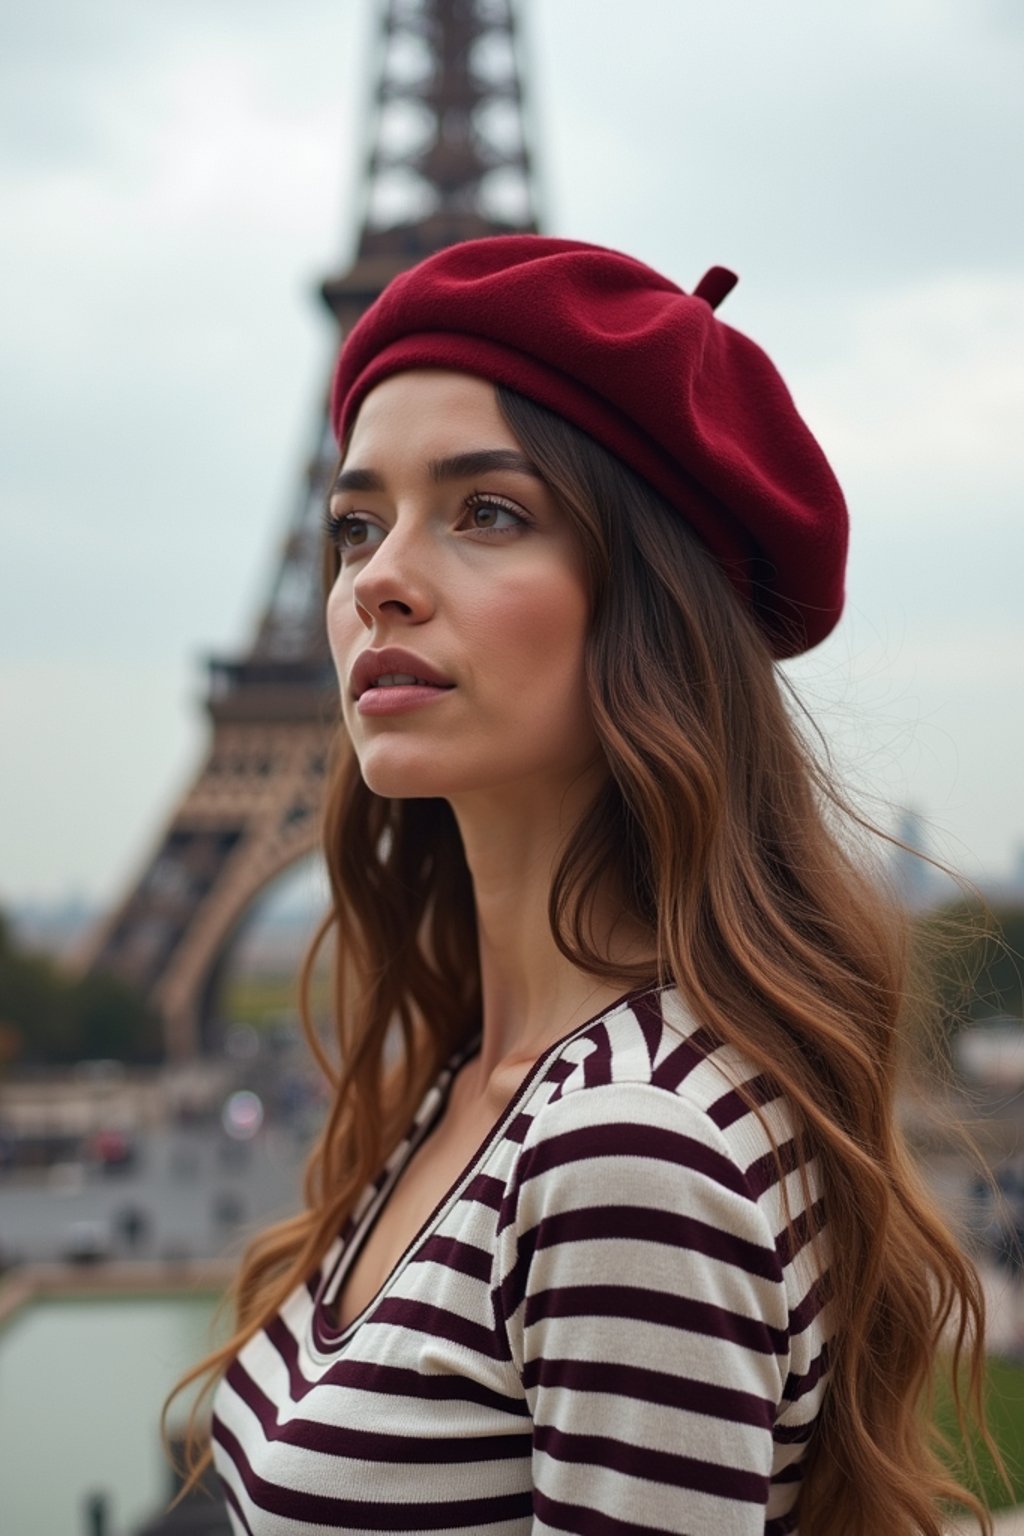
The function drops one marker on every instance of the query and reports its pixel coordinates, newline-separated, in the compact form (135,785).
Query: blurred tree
(47,1018)
(976,955)
(111,1021)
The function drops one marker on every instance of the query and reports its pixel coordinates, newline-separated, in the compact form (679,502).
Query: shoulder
(654,1218)
(630,1200)
(642,1122)
(649,1065)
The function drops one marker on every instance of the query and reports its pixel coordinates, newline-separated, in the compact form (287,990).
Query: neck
(533,994)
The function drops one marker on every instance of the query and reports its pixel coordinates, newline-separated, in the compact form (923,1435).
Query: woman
(610,1228)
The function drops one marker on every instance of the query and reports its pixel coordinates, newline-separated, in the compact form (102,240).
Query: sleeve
(644,1306)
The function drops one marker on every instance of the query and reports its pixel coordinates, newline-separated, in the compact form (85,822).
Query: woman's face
(455,554)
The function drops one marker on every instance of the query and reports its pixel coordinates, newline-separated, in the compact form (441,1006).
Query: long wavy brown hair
(731,847)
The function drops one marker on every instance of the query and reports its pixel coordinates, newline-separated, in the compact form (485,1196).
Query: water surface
(82,1381)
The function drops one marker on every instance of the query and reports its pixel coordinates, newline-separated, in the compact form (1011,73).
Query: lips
(384,668)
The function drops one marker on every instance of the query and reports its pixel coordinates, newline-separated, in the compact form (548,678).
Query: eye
(349,532)
(489,513)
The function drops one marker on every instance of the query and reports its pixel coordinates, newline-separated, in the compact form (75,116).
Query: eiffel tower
(446,160)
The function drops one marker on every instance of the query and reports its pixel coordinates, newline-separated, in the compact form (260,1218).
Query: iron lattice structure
(446,160)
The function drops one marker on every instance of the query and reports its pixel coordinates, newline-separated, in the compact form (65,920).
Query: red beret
(649,372)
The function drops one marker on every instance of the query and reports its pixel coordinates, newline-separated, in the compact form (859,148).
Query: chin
(405,775)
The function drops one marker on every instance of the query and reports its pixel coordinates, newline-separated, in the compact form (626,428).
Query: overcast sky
(176,177)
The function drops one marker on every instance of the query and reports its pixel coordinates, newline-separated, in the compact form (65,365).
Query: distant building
(1008,892)
(56,928)
(913,877)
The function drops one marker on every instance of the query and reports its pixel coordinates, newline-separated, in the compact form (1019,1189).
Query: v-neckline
(327,1333)
(326,1337)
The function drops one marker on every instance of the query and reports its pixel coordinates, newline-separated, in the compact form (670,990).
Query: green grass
(1004,1396)
(259,1000)
(255,999)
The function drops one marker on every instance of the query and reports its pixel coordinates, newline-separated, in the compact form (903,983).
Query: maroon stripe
(647,995)
(618,1139)
(327,1331)
(805,1227)
(803,1315)
(371,1445)
(763,1173)
(732,1106)
(624,1222)
(647,1386)
(671,1072)
(281,1338)
(517,1128)
(400,1381)
(393,1380)
(793,1434)
(798,1386)
(690,1472)
(652,1225)
(646,1008)
(485,1191)
(559,1070)
(597,1070)
(647,1013)
(453,1254)
(436,1322)
(371,1514)
(631,1303)
(597,1065)
(583,1521)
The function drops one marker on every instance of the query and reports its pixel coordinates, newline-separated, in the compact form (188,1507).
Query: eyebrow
(460,466)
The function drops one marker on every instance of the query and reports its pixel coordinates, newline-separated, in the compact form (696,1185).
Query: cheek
(345,636)
(341,622)
(540,624)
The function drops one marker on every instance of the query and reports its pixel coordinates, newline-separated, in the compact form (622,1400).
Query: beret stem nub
(716,283)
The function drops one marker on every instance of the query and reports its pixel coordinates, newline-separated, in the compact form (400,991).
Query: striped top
(603,1328)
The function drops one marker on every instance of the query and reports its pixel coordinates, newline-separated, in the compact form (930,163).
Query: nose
(392,581)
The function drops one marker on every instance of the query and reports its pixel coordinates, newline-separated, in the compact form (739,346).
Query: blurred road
(191,1194)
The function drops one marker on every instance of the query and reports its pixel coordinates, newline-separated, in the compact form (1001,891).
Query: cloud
(112,745)
(927,388)
(848,145)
